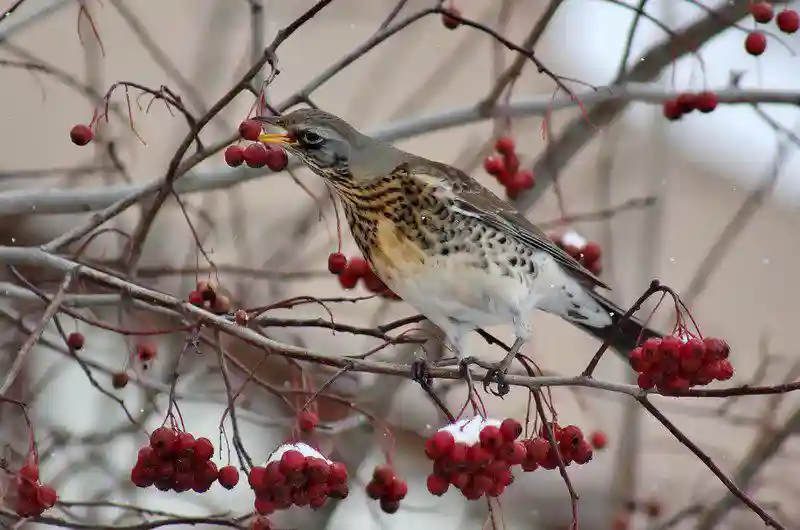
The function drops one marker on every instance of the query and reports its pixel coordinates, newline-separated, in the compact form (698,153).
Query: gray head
(331,147)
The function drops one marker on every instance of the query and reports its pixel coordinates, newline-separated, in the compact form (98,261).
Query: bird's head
(331,147)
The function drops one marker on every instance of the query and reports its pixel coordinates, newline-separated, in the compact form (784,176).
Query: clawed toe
(420,372)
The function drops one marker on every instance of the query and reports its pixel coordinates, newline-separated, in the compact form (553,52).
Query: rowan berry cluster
(675,109)
(587,253)
(256,154)
(674,365)
(176,461)
(207,296)
(297,475)
(475,456)
(571,443)
(788,21)
(505,168)
(28,496)
(351,270)
(387,488)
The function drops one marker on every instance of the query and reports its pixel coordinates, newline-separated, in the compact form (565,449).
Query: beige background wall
(752,294)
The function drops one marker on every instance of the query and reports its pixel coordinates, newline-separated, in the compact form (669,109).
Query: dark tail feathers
(622,339)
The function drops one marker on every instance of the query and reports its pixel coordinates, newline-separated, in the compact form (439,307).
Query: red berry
(234,156)
(75,341)
(538,449)
(203,449)
(183,481)
(337,262)
(165,470)
(491,438)
(348,280)
(762,12)
(716,349)
(636,359)
(389,506)
(571,436)
(437,485)
(120,380)
(397,490)
(651,350)
(256,155)
(505,145)
(439,445)
(307,421)
(524,180)
(373,283)
(510,429)
(706,102)
(517,454)
(458,454)
(448,21)
(511,162)
(722,370)
(687,102)
(338,474)
(317,470)
(383,475)
(375,490)
(146,351)
(598,439)
(672,110)
(162,440)
(292,462)
(339,491)
(357,267)
(670,348)
(277,159)
(196,298)
(185,444)
(755,43)
(478,456)
(228,477)
(81,135)
(788,21)
(582,453)
(250,130)
(591,252)
(142,477)
(459,480)
(493,165)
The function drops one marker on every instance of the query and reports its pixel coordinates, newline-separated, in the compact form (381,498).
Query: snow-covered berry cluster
(297,475)
(387,488)
(588,253)
(505,168)
(672,365)
(476,456)
(351,270)
(176,461)
(256,154)
(27,495)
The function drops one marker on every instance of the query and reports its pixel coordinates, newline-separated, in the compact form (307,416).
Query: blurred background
(720,227)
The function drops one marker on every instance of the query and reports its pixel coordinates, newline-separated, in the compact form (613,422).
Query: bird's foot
(420,372)
(496,374)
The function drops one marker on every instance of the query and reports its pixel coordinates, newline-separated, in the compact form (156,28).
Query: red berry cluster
(505,168)
(672,365)
(451,22)
(788,21)
(256,154)
(307,421)
(176,461)
(207,296)
(480,468)
(81,135)
(587,253)
(387,488)
(572,446)
(75,341)
(351,270)
(29,496)
(294,479)
(674,109)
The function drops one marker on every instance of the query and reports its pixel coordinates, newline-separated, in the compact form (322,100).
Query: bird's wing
(474,200)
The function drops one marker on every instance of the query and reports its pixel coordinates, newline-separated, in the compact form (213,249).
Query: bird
(448,246)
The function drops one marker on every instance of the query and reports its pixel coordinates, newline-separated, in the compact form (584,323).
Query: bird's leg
(499,370)
(505,364)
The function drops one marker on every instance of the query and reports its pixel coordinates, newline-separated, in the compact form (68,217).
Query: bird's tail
(622,338)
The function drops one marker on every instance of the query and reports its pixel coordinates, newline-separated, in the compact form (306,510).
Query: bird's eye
(311,138)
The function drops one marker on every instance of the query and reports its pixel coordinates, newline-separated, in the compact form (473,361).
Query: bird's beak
(281,138)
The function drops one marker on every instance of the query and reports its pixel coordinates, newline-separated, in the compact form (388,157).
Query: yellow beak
(276,138)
